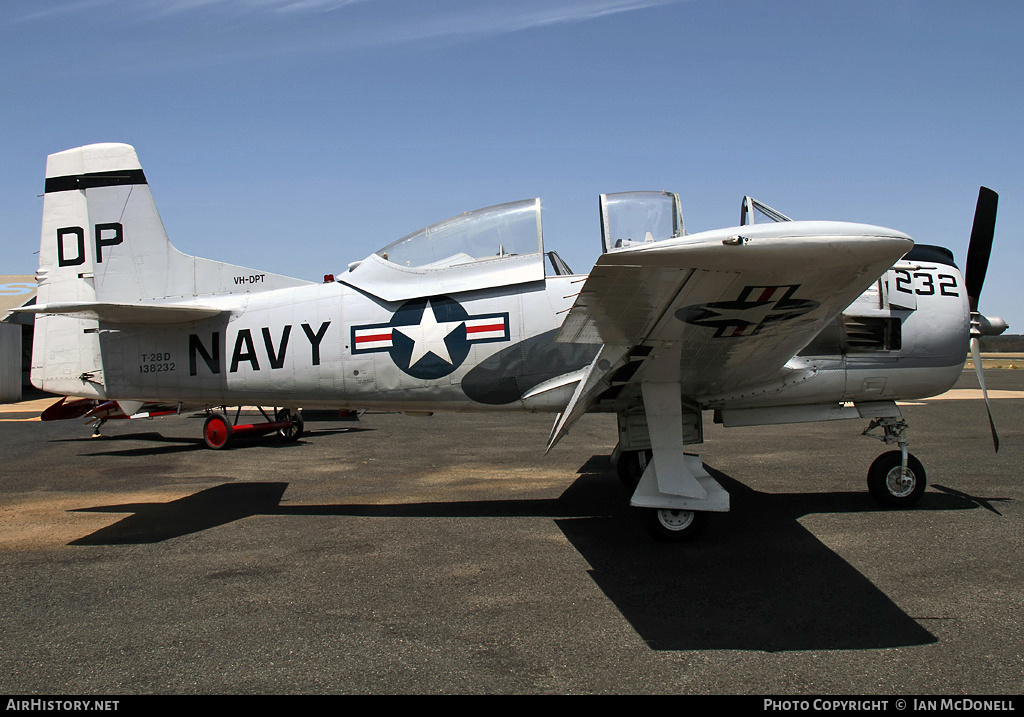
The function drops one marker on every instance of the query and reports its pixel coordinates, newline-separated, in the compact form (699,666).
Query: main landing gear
(219,431)
(896,479)
(669,525)
(664,524)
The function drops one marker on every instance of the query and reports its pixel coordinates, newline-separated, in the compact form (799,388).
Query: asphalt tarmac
(449,555)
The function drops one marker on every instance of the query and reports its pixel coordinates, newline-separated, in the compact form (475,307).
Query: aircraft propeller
(978,252)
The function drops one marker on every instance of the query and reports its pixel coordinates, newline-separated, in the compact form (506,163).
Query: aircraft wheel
(629,467)
(889,487)
(674,526)
(293,432)
(217,431)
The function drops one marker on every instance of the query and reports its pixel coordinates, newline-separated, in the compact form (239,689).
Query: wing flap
(592,383)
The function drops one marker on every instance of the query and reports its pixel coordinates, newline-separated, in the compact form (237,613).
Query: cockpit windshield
(498,231)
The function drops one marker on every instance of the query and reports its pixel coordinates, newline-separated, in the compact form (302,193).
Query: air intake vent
(870,333)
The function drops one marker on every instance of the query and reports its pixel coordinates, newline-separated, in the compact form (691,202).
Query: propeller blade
(976,355)
(981,244)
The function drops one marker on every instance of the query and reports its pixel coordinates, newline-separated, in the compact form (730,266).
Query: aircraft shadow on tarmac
(755,580)
(180,444)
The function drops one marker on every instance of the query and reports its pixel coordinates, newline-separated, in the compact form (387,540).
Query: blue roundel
(430,337)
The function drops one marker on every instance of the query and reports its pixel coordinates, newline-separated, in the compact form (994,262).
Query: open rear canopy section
(629,218)
(755,212)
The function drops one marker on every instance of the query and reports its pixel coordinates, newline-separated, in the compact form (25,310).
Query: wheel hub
(675,519)
(900,483)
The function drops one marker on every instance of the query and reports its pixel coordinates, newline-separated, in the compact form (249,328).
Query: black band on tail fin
(91,180)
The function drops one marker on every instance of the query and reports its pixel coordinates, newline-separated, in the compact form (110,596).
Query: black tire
(886,485)
(217,431)
(293,432)
(629,468)
(674,526)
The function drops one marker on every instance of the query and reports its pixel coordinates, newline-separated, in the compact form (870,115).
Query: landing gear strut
(896,479)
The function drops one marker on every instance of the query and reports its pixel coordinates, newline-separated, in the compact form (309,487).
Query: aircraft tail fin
(103,238)
(103,245)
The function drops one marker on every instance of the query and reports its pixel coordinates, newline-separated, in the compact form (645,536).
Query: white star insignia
(429,335)
(752,315)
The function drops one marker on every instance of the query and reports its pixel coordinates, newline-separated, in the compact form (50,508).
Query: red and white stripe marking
(373,338)
(492,327)
(767,293)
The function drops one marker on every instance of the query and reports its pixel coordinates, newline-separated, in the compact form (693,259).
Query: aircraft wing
(721,311)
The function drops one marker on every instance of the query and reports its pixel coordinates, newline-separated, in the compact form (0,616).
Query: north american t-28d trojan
(767,322)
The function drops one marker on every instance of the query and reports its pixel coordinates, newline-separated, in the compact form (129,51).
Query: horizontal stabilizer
(137,313)
(94,408)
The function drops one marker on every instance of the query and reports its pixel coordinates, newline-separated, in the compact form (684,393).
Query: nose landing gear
(896,479)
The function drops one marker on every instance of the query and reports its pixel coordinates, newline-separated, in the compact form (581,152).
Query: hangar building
(15,335)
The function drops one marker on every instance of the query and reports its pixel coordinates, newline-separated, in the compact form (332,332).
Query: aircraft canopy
(512,229)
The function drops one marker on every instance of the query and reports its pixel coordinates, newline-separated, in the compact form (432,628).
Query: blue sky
(299,135)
